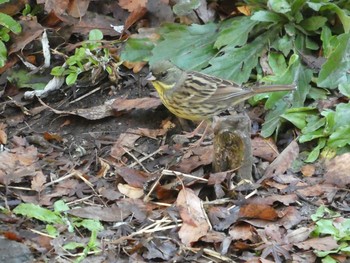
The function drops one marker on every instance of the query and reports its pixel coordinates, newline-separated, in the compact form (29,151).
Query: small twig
(134,157)
(85,95)
(149,156)
(169,172)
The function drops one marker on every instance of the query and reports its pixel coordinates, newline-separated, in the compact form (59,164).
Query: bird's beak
(150,77)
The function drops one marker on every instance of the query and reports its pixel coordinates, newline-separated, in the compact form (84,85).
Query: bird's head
(166,73)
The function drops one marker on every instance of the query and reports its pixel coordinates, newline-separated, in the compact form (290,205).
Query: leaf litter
(113,160)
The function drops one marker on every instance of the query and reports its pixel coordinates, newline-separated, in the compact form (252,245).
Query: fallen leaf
(122,105)
(194,224)
(337,171)
(264,148)
(258,211)
(129,191)
(283,161)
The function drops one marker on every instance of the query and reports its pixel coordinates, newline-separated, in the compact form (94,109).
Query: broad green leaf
(342,115)
(71,78)
(313,124)
(24,80)
(267,16)
(10,23)
(277,63)
(279,6)
(189,47)
(310,44)
(95,34)
(37,212)
(235,32)
(336,70)
(312,136)
(184,7)
(297,118)
(73,245)
(283,44)
(273,119)
(325,226)
(90,224)
(326,36)
(315,153)
(3,54)
(237,63)
(4,1)
(313,23)
(344,89)
(137,49)
(52,231)
(61,206)
(340,137)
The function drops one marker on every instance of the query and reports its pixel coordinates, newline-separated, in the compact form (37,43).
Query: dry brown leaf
(133,177)
(122,105)
(243,232)
(78,8)
(38,181)
(108,214)
(129,191)
(31,30)
(194,224)
(3,134)
(338,171)
(283,161)
(134,16)
(132,5)
(308,170)
(258,211)
(264,148)
(320,243)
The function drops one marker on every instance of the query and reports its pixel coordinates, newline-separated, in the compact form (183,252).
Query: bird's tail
(272,88)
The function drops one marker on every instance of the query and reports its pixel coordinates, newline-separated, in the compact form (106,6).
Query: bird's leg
(196,130)
(201,139)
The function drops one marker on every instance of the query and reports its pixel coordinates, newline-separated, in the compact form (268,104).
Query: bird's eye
(163,74)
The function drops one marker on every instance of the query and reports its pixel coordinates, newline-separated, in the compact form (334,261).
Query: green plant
(59,217)
(90,56)
(7,25)
(331,223)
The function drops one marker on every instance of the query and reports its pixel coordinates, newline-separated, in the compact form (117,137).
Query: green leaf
(95,34)
(283,44)
(313,124)
(73,245)
(57,71)
(37,212)
(10,23)
(236,32)
(273,119)
(277,63)
(313,23)
(267,16)
(312,136)
(3,54)
(184,7)
(336,70)
(315,153)
(52,231)
(90,224)
(60,206)
(326,36)
(279,6)
(297,118)
(340,137)
(71,78)
(237,63)
(4,1)
(344,89)
(342,115)
(189,47)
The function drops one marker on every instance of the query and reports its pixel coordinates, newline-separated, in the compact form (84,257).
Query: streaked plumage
(197,96)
